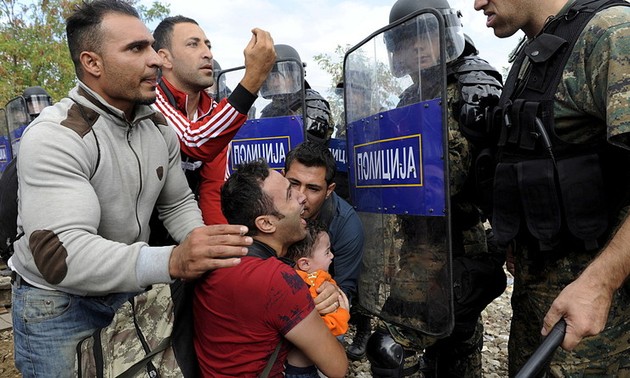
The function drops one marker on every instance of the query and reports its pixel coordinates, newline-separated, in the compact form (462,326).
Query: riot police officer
(22,110)
(284,87)
(36,100)
(478,277)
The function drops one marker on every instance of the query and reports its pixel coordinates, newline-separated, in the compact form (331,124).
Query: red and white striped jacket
(204,140)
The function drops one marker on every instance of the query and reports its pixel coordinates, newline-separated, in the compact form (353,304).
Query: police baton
(541,356)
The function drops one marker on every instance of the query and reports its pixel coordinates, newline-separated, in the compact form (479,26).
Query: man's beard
(146,101)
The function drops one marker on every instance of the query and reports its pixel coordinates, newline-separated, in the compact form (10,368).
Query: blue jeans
(47,325)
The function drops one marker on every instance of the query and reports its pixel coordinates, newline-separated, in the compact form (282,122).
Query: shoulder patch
(80,119)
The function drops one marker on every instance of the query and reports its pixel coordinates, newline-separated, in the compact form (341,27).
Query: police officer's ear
(166,58)
(266,224)
(92,63)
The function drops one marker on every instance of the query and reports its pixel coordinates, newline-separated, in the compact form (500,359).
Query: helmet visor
(284,78)
(416,43)
(36,103)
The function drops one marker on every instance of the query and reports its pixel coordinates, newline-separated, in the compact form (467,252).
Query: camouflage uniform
(591,105)
(134,331)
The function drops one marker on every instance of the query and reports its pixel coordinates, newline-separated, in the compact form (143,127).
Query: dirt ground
(496,318)
(7,368)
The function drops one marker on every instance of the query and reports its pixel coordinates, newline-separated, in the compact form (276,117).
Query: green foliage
(334,66)
(156,12)
(33,48)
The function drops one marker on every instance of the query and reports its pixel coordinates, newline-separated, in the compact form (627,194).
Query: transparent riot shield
(5,142)
(17,120)
(395,83)
(275,123)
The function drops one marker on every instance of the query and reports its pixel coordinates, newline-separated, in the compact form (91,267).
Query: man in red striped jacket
(204,126)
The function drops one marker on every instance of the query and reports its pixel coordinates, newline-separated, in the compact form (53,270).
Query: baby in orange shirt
(312,257)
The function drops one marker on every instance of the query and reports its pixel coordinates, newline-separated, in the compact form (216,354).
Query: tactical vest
(559,192)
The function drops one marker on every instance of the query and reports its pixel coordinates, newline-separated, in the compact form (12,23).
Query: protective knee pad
(387,357)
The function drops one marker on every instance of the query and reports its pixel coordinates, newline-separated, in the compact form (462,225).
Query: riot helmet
(219,84)
(36,100)
(286,75)
(216,67)
(216,70)
(404,41)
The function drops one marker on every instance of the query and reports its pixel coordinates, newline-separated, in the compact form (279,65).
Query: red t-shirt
(242,313)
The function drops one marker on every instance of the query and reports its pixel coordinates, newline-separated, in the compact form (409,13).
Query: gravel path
(496,319)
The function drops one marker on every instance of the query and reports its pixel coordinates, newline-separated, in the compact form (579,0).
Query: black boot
(356,351)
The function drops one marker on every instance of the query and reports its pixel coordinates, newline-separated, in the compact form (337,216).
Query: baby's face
(322,255)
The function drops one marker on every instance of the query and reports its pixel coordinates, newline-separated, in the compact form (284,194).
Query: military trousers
(539,277)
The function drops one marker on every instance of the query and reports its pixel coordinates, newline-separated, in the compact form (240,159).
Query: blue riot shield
(339,149)
(17,120)
(275,124)
(395,86)
(5,142)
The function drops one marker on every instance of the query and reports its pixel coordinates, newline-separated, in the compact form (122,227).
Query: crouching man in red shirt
(243,313)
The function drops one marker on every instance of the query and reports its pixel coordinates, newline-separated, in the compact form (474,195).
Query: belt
(18,281)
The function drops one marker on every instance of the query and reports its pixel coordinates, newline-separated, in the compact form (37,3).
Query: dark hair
(164,31)
(242,197)
(313,154)
(304,248)
(83,26)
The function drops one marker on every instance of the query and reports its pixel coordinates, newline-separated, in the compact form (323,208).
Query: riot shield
(17,120)
(395,83)
(5,142)
(274,124)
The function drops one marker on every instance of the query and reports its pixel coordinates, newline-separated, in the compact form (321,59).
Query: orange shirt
(337,321)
